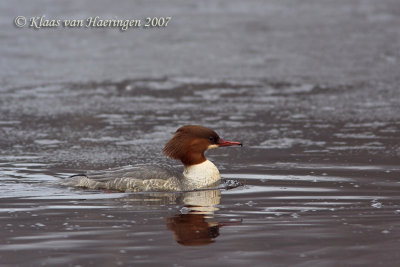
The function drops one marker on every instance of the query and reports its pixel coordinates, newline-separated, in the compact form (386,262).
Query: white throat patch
(212,147)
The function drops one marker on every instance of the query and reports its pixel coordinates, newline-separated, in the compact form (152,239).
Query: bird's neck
(201,175)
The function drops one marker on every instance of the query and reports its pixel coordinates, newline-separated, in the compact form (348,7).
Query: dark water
(310,88)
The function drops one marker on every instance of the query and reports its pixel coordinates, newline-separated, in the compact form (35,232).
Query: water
(303,217)
(309,89)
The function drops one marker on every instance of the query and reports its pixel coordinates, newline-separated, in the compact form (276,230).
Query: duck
(188,145)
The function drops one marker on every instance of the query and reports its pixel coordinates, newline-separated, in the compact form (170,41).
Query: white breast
(201,175)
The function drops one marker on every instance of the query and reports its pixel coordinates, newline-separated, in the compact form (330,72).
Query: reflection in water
(195,224)
(192,229)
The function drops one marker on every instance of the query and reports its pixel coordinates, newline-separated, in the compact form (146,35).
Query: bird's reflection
(195,225)
(193,229)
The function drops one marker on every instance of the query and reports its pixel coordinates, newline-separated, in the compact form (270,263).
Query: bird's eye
(213,139)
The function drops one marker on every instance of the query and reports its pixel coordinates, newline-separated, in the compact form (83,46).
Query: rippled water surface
(311,89)
(306,214)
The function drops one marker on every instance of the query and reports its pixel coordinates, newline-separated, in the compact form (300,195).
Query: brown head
(191,141)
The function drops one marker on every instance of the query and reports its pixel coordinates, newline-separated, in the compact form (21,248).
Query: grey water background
(310,87)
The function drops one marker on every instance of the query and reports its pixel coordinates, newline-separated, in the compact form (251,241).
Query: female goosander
(187,145)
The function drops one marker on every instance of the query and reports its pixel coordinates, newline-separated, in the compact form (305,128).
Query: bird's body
(187,145)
